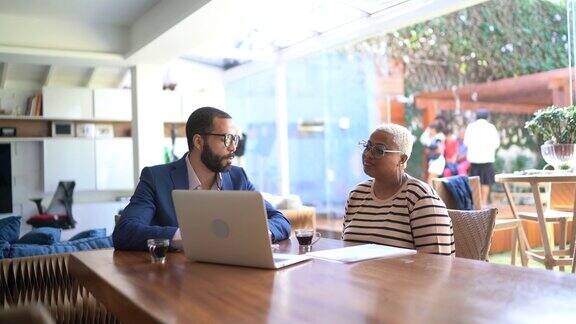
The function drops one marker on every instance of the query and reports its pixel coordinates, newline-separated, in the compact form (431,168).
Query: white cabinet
(83,103)
(114,164)
(67,159)
(95,164)
(113,104)
(67,103)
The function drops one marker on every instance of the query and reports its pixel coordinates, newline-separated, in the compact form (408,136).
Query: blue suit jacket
(151,213)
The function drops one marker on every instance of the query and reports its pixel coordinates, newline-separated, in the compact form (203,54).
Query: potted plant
(556,127)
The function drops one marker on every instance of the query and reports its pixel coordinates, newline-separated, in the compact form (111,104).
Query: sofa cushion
(42,236)
(91,243)
(10,229)
(24,250)
(4,249)
(98,232)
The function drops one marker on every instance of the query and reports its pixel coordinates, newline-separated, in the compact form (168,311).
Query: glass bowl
(559,156)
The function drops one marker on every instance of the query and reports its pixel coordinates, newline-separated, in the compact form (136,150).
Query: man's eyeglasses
(227,139)
(377,150)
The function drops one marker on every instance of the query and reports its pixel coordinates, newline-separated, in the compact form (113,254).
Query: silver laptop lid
(228,227)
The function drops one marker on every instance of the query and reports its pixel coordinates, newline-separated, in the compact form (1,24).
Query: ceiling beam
(172,28)
(379,23)
(90,77)
(22,55)
(48,75)
(43,39)
(123,76)
(3,74)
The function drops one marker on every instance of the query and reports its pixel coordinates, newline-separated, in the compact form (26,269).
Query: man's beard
(213,161)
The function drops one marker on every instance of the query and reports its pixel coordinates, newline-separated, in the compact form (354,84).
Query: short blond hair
(401,135)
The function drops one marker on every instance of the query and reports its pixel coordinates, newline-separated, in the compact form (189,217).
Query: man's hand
(176,242)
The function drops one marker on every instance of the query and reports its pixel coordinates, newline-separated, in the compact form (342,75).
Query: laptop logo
(220,229)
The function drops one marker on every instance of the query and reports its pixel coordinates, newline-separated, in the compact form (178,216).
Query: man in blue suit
(212,141)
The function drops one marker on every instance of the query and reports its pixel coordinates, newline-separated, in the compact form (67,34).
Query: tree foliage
(494,40)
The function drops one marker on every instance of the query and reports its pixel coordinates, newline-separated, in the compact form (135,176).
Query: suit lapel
(227,181)
(179,174)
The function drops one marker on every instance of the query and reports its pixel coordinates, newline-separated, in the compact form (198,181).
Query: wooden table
(551,257)
(417,289)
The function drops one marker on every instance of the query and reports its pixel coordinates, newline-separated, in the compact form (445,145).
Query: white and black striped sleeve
(346,214)
(431,226)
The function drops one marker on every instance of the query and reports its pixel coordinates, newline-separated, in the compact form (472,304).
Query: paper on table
(360,253)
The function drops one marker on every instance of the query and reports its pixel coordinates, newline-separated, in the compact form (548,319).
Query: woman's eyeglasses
(377,150)
(227,139)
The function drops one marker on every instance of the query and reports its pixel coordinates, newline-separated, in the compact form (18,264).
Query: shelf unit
(42,118)
(41,127)
(21,139)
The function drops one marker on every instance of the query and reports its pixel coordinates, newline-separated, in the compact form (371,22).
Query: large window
(251,102)
(330,108)
(508,56)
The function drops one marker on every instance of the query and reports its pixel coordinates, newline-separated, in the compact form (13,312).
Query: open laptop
(227,227)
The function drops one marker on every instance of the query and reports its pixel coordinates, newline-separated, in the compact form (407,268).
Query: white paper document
(361,252)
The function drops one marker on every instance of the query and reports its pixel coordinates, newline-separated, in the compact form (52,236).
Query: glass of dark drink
(306,237)
(158,249)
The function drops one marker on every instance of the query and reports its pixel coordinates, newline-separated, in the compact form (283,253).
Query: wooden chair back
(446,196)
(562,196)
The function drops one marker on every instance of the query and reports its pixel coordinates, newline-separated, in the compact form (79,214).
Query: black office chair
(59,212)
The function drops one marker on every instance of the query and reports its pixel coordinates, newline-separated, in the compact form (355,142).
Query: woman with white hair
(394,208)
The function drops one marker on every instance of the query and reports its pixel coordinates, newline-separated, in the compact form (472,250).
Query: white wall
(74,36)
(147,120)
(94,215)
(198,84)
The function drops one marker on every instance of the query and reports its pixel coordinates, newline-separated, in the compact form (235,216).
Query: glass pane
(330,108)
(251,102)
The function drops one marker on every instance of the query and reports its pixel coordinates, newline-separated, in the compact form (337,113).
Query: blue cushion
(4,249)
(98,232)
(10,229)
(24,250)
(89,243)
(41,235)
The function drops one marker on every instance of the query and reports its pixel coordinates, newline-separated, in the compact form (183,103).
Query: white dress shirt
(195,184)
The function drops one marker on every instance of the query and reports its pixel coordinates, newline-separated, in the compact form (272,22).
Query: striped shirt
(413,218)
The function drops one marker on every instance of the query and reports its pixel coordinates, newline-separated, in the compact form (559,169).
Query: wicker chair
(513,224)
(473,232)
